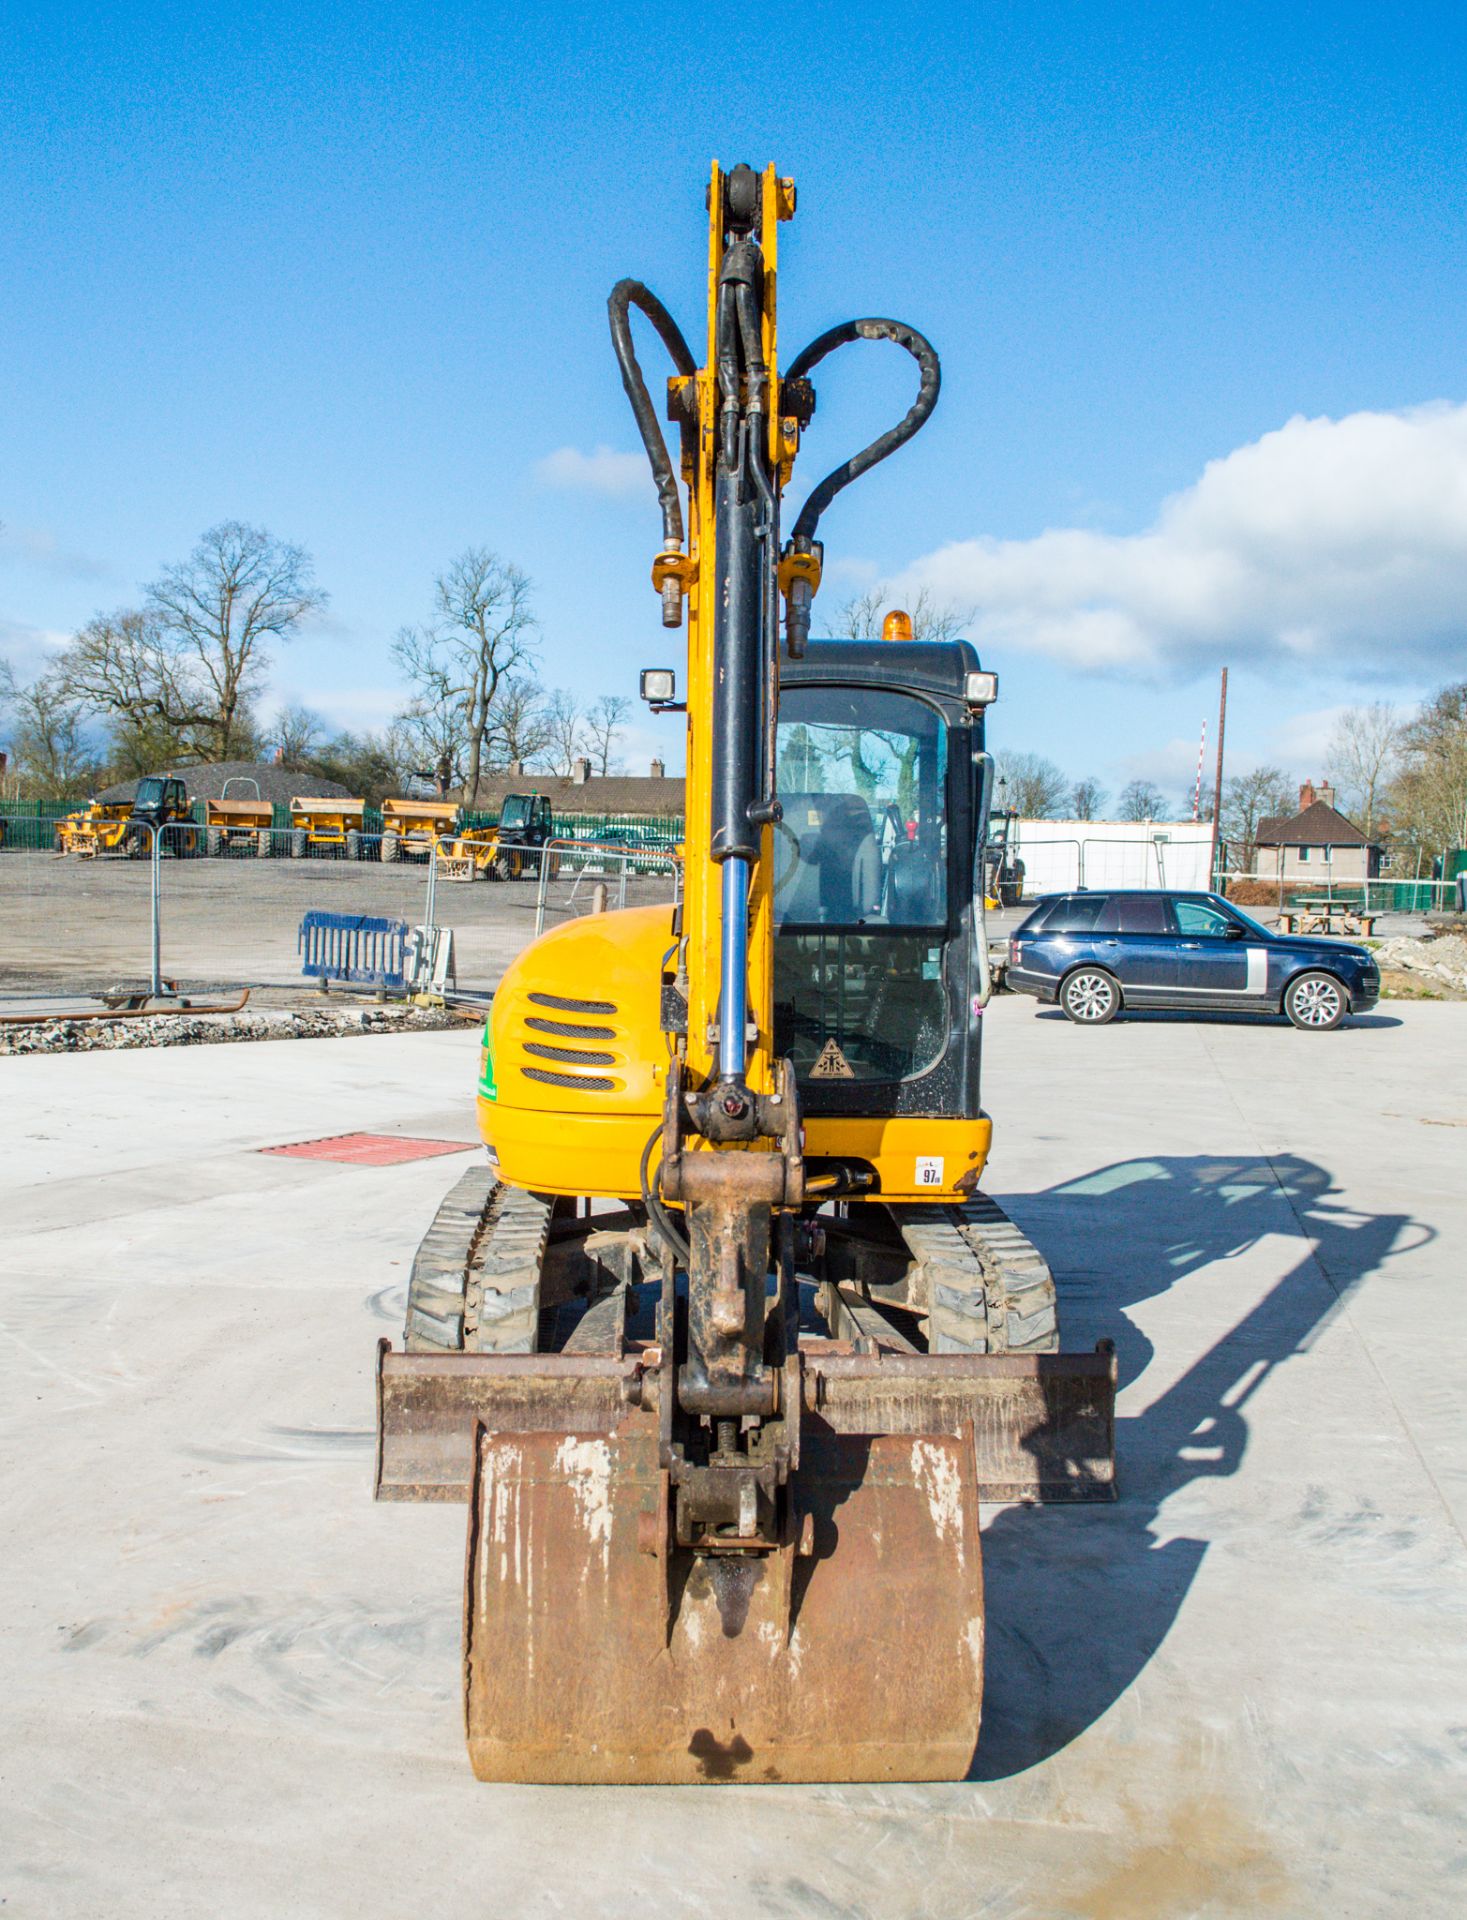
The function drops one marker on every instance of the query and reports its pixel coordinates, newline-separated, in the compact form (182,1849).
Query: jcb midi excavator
(726,1344)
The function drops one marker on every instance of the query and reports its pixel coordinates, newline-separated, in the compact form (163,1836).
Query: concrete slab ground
(228,1682)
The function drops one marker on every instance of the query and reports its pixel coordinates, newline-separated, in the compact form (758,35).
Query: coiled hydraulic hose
(922,351)
(625,295)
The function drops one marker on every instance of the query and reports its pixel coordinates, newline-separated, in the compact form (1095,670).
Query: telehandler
(726,1343)
(130,826)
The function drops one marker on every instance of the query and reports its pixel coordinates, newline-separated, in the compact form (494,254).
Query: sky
(1197,275)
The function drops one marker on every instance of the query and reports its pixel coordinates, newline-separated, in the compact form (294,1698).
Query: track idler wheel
(596,1651)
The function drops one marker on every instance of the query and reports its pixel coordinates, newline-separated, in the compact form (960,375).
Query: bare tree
(519,731)
(1248,798)
(432,726)
(862,615)
(53,760)
(1087,797)
(1429,794)
(296,736)
(217,612)
(1142,800)
(1363,758)
(121,666)
(565,738)
(604,729)
(482,631)
(184,667)
(1032,785)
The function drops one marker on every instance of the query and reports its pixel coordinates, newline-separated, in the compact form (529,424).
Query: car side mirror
(1234,932)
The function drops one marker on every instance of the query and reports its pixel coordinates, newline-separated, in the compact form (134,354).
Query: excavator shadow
(1079,1601)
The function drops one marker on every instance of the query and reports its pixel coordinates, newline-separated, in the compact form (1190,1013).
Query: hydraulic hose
(625,295)
(676,1242)
(922,351)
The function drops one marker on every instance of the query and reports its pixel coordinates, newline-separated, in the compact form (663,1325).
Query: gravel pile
(1439,962)
(220,1029)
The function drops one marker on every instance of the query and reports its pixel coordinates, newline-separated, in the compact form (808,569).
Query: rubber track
(989,1288)
(475,1282)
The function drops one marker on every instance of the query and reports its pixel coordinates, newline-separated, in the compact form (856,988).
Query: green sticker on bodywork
(487,1088)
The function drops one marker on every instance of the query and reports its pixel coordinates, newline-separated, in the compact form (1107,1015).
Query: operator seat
(838,879)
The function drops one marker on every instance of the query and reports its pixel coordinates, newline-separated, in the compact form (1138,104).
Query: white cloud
(39,548)
(1171,764)
(849,570)
(30,650)
(1302,739)
(1337,541)
(617,476)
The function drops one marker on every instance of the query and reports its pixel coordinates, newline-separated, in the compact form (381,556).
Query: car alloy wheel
(1090,998)
(1316,1002)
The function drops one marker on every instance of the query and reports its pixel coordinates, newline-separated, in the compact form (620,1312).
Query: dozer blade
(594,1653)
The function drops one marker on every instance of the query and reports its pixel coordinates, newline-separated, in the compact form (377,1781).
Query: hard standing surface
(229,1684)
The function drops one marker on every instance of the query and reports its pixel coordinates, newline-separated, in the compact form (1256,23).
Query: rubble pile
(186,1030)
(1438,962)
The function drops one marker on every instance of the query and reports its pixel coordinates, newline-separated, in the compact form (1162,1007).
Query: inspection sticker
(929,1171)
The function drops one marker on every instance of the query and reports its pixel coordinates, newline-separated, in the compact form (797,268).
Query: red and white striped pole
(1197,789)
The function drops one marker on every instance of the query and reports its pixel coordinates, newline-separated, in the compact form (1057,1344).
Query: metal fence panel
(71,927)
(580,877)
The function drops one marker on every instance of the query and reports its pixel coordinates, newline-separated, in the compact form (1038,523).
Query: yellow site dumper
(238,825)
(326,822)
(410,827)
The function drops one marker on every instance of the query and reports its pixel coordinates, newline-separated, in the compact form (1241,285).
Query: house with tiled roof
(1315,845)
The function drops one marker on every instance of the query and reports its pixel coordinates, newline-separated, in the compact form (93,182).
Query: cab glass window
(862,777)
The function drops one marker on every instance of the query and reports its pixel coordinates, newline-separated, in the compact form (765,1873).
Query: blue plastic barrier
(353,946)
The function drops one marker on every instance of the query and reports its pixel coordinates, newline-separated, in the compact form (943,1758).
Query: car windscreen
(1247,920)
(515,812)
(149,794)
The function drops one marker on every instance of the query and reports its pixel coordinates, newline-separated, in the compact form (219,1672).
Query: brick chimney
(659,771)
(581,772)
(1307,795)
(517,769)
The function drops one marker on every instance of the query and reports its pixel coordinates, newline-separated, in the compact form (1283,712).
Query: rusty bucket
(595,1650)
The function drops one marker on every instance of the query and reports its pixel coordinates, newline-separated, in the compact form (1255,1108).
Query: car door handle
(1107,943)
(1192,946)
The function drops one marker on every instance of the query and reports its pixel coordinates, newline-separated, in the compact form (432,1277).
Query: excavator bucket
(598,1651)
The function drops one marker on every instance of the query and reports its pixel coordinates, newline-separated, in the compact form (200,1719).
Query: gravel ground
(221,1029)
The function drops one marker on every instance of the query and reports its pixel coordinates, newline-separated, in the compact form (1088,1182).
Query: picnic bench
(1327,916)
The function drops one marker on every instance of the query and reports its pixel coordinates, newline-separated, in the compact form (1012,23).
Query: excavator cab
(725,1345)
(878,950)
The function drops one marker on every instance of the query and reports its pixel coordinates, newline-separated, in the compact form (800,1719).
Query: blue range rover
(1095,953)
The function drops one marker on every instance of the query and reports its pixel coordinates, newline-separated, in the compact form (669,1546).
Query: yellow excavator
(725,1345)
